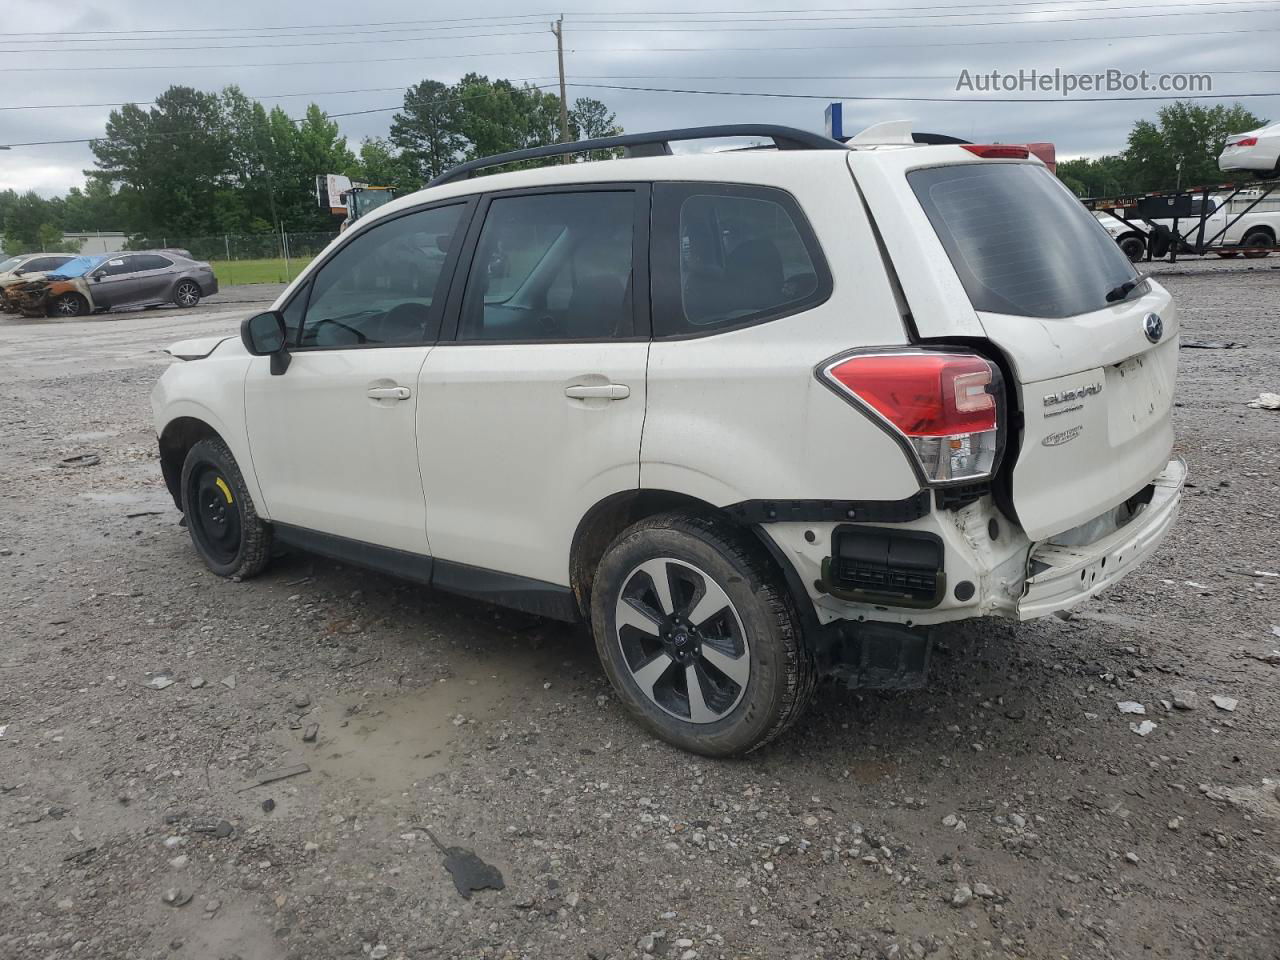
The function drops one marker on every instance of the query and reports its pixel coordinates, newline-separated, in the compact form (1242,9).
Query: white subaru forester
(757,416)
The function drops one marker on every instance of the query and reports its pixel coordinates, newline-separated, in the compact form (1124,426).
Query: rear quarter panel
(740,415)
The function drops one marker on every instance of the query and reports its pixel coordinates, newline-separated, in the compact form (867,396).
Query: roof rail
(653,144)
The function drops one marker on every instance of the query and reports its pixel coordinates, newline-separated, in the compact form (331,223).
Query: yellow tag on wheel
(226,491)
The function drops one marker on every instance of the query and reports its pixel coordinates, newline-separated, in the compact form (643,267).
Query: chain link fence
(246,258)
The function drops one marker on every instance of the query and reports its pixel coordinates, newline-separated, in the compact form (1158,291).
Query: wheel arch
(179,281)
(176,440)
(1260,228)
(605,520)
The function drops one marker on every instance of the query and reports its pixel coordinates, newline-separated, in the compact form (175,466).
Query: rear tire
(723,621)
(1258,238)
(187,294)
(69,305)
(224,525)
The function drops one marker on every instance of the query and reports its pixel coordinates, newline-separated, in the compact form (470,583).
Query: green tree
(177,156)
(590,119)
(29,224)
(381,165)
(427,129)
(1097,177)
(497,116)
(1185,133)
(95,207)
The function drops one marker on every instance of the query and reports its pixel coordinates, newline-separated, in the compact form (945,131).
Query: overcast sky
(874,48)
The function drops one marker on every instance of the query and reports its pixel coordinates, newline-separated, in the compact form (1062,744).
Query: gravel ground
(1008,810)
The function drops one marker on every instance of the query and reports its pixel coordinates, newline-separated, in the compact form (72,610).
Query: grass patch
(235,272)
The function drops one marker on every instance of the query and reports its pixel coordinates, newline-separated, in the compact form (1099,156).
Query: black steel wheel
(187,293)
(224,525)
(699,636)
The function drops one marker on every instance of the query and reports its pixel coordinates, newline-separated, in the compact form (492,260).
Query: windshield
(77,267)
(1019,241)
(7,265)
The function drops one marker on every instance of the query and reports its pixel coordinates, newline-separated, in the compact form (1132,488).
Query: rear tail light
(1246,142)
(944,405)
(997,151)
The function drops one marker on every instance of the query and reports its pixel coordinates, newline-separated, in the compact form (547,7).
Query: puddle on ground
(391,741)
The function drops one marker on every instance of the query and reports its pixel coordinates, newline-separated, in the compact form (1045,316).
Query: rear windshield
(1020,242)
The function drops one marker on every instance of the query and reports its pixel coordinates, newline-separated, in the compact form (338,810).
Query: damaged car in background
(23,266)
(94,284)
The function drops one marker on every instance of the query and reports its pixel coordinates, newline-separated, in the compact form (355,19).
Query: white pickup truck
(1257,230)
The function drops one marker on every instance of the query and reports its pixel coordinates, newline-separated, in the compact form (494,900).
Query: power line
(251,96)
(810,49)
(1194,8)
(282,63)
(831,97)
(846,9)
(535,18)
(726,27)
(277,46)
(303,26)
(681,26)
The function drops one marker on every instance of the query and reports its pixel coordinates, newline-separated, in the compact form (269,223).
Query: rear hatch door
(1000,250)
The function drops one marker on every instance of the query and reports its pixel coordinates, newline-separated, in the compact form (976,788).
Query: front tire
(187,294)
(224,525)
(69,305)
(699,636)
(1135,248)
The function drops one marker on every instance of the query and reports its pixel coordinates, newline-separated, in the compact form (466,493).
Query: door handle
(605,391)
(389,393)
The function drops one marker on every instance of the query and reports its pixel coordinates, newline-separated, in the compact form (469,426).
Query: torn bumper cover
(31,299)
(1060,576)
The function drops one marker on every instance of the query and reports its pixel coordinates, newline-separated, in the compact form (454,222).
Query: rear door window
(150,261)
(1019,241)
(554,267)
(728,256)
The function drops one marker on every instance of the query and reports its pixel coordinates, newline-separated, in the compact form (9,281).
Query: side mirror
(264,335)
(97,275)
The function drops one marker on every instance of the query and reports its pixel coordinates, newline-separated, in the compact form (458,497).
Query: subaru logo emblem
(1153,327)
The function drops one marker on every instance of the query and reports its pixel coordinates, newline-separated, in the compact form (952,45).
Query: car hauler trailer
(1226,219)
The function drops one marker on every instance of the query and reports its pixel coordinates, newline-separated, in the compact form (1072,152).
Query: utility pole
(557,27)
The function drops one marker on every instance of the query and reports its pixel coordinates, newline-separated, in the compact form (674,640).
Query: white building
(98,241)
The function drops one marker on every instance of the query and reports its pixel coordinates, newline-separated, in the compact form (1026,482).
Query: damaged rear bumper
(1059,577)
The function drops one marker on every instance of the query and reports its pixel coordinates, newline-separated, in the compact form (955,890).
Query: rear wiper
(1126,288)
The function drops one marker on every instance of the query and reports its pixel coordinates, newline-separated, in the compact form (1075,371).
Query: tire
(1135,248)
(1258,238)
(225,528)
(1227,254)
(187,293)
(754,674)
(69,305)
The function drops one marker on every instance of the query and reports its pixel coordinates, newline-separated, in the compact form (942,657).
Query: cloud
(926,45)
